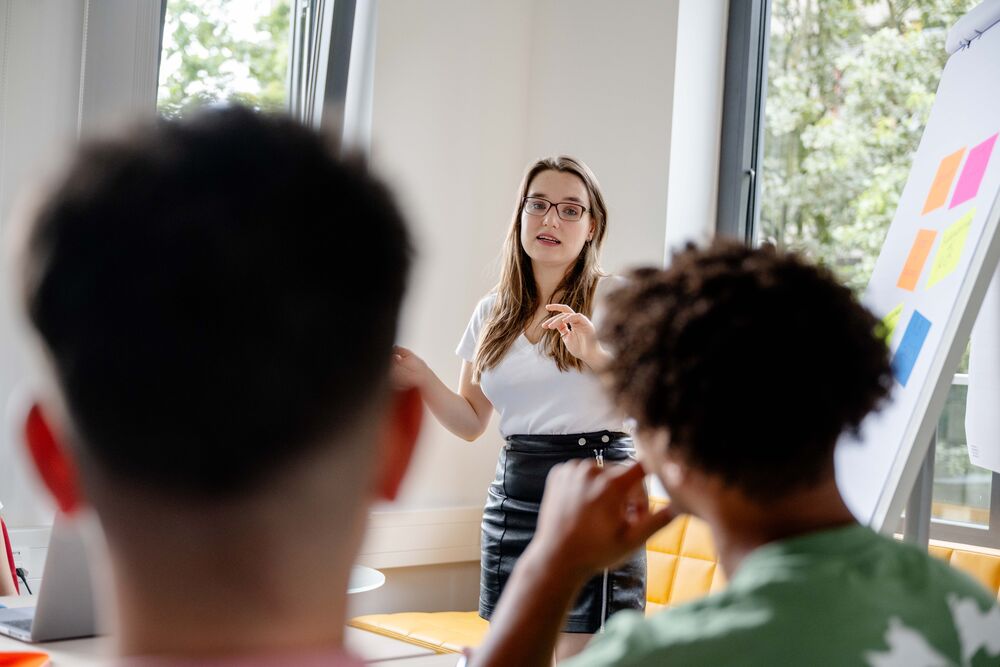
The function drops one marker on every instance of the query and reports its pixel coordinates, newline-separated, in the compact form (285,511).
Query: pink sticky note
(973,172)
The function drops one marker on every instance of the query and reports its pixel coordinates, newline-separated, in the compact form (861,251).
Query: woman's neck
(547,279)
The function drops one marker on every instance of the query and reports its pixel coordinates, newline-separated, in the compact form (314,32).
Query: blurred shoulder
(609,284)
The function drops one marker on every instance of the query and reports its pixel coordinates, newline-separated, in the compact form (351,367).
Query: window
(224,50)
(849,86)
(961,490)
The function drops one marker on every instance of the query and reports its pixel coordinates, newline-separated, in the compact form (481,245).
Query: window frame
(742,139)
(740,165)
(956,531)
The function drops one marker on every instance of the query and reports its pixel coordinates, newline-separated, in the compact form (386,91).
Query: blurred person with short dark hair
(742,367)
(217,299)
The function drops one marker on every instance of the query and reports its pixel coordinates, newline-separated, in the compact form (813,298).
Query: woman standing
(530,352)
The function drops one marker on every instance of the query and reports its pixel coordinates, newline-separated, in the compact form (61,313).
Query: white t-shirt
(531,394)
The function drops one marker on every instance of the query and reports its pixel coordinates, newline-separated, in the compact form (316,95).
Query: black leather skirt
(511,515)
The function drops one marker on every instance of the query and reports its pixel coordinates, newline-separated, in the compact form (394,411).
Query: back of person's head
(753,361)
(217,297)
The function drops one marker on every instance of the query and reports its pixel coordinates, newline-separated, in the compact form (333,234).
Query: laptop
(65,601)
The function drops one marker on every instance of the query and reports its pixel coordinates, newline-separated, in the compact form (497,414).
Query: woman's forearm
(455,412)
(598,359)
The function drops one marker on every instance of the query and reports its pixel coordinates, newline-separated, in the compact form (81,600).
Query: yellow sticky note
(950,251)
(889,323)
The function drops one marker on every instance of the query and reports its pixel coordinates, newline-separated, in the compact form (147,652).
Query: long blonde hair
(517,298)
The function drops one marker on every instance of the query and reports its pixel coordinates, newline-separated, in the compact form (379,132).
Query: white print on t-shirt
(976,629)
(908,648)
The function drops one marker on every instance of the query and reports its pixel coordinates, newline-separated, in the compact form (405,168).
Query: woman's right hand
(465,413)
(408,370)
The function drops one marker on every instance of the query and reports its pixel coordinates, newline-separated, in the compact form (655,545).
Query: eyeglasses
(565,210)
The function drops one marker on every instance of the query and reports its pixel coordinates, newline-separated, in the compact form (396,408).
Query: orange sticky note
(942,181)
(915,262)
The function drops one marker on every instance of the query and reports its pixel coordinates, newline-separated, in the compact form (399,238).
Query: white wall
(601,83)
(696,125)
(448,587)
(449,126)
(39,101)
(468,92)
(43,66)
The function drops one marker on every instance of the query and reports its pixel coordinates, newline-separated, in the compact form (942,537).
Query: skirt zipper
(599,455)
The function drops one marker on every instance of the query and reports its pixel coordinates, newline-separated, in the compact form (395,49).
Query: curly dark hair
(753,359)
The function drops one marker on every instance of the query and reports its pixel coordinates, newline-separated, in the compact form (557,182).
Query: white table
(89,652)
(92,652)
(99,651)
(364,578)
(436,660)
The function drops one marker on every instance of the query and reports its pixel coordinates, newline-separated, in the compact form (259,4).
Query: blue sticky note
(909,347)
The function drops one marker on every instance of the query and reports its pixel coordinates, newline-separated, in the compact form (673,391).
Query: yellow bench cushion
(681,564)
(980,563)
(441,632)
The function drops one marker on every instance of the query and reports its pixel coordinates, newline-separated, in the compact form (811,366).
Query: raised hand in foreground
(590,518)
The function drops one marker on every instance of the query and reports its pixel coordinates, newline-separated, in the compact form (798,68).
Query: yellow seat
(682,565)
(441,632)
(980,563)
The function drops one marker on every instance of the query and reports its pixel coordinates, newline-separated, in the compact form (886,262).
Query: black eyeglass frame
(557,205)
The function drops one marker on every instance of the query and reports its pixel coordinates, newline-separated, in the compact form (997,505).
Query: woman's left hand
(578,335)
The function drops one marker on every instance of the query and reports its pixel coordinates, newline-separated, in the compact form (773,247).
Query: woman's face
(551,240)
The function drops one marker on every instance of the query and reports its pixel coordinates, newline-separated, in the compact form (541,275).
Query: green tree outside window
(850,86)
(224,51)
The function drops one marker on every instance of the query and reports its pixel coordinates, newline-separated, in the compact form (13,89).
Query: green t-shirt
(840,597)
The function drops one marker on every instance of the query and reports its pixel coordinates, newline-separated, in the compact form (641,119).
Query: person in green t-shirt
(742,367)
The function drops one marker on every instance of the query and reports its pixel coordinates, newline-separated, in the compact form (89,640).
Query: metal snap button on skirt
(511,515)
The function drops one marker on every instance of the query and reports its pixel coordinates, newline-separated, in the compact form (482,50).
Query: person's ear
(686,484)
(52,460)
(661,459)
(403,420)
(674,472)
